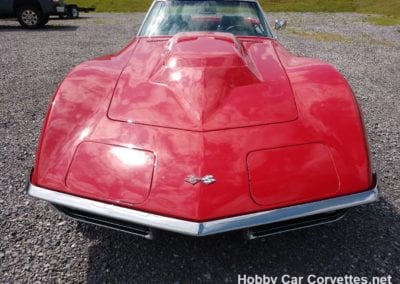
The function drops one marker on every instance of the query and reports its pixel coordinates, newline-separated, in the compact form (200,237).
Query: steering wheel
(237,28)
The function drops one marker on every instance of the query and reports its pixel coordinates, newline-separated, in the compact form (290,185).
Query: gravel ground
(40,245)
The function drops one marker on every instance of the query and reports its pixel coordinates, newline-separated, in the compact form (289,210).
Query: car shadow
(68,19)
(364,243)
(47,28)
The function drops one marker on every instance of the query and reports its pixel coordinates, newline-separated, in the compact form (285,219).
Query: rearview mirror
(280,24)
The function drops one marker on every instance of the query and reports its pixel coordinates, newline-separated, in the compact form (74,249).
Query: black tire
(73,12)
(31,17)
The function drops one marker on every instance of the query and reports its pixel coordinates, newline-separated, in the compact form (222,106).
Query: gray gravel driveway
(37,244)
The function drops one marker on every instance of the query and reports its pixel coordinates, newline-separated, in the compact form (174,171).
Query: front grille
(119,225)
(294,224)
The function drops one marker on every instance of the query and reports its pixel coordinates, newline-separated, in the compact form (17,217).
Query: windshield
(236,17)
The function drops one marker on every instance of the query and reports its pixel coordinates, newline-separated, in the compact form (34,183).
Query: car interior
(233,24)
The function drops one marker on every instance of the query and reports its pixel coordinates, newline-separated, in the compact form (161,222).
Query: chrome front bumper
(96,208)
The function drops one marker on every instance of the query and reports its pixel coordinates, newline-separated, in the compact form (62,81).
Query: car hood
(203,82)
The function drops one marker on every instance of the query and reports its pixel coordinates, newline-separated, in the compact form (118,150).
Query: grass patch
(390,9)
(367,38)
(100,21)
(334,37)
(114,5)
(319,36)
(387,7)
(384,21)
(309,6)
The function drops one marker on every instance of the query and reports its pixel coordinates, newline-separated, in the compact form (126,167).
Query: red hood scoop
(203,82)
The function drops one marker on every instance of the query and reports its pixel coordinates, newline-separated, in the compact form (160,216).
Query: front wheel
(30,17)
(73,12)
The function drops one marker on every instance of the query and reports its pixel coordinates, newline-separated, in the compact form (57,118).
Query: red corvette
(204,124)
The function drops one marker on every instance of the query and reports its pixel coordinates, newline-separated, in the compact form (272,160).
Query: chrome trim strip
(145,18)
(203,228)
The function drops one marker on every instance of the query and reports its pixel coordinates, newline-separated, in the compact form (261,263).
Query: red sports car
(204,124)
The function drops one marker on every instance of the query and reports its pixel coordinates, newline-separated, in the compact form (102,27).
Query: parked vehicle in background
(31,13)
(72,11)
